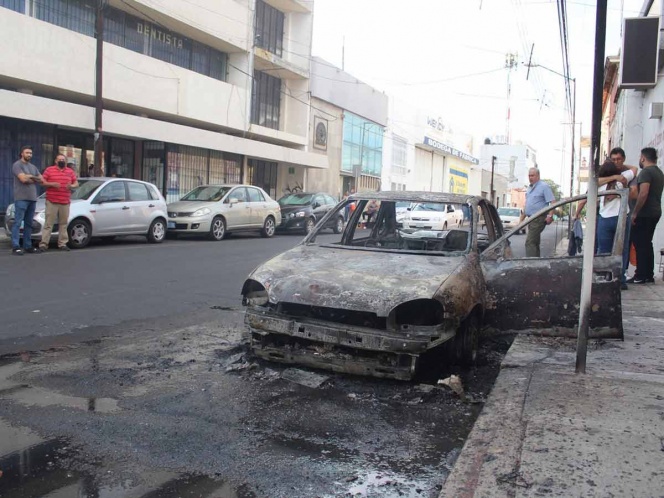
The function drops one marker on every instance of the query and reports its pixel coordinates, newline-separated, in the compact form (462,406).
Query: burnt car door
(542,294)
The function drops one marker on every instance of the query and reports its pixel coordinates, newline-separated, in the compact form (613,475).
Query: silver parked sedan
(215,209)
(105,207)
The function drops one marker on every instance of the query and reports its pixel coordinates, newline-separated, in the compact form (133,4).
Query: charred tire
(309,225)
(217,229)
(466,341)
(157,231)
(269,227)
(80,233)
(339,225)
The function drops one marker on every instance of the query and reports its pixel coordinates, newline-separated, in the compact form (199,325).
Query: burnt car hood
(353,279)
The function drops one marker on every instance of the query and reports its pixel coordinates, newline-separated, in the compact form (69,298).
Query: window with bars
(269,28)
(131,33)
(263,174)
(399,156)
(266,100)
(15,5)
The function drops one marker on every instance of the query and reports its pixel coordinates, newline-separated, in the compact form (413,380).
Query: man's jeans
(642,234)
(627,246)
(24,212)
(606,233)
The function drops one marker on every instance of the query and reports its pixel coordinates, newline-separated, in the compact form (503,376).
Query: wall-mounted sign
(458,180)
(320,133)
(449,150)
(157,34)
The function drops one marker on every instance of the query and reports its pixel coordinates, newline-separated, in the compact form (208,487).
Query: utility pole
(589,243)
(571,170)
(99,102)
(510,63)
(493,165)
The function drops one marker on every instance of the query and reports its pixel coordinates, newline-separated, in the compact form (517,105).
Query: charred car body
(375,300)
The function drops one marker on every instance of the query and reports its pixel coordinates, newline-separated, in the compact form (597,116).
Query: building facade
(347,126)
(206,92)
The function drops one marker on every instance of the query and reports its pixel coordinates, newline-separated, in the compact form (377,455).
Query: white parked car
(213,210)
(511,217)
(433,216)
(105,208)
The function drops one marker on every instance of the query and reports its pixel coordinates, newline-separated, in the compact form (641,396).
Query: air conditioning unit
(656,110)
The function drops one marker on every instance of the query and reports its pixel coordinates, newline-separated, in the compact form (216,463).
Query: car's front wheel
(217,229)
(466,341)
(157,231)
(309,225)
(80,233)
(339,225)
(269,227)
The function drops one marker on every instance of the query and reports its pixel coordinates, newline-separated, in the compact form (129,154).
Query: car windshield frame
(355,218)
(213,196)
(304,198)
(85,189)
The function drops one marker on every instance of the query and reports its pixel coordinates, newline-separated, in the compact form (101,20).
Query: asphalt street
(124,372)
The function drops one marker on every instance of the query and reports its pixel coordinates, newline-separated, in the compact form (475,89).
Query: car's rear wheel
(217,229)
(157,231)
(465,343)
(339,225)
(80,233)
(309,225)
(268,227)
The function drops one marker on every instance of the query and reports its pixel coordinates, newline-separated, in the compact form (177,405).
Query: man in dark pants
(646,215)
(26,177)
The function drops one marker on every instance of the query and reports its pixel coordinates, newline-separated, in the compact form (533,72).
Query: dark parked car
(300,212)
(373,301)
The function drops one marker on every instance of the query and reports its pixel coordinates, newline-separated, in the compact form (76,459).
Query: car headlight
(10,211)
(299,214)
(202,212)
(41,216)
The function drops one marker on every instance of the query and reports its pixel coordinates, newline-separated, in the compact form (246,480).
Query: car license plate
(171,224)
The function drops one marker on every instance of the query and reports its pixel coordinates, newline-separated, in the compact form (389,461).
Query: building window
(399,156)
(131,33)
(362,145)
(121,163)
(269,29)
(266,100)
(225,168)
(263,174)
(15,5)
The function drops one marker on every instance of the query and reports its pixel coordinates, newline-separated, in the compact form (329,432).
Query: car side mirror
(450,209)
(233,201)
(316,205)
(408,209)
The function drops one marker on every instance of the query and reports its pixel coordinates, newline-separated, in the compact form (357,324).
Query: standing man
(59,181)
(538,196)
(26,177)
(646,215)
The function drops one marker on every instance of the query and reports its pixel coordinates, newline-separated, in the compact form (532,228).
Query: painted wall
(327,180)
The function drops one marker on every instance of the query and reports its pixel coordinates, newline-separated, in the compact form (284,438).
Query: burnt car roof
(407,196)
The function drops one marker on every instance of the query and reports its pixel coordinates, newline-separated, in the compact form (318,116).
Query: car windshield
(295,199)
(432,228)
(509,211)
(208,193)
(429,206)
(85,189)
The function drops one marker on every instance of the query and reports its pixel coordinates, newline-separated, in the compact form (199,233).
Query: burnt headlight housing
(254,294)
(416,313)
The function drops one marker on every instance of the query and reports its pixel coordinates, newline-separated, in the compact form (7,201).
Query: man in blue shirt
(538,196)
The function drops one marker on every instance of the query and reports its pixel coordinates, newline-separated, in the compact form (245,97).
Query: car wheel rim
(340,225)
(158,232)
(310,226)
(79,234)
(218,229)
(269,227)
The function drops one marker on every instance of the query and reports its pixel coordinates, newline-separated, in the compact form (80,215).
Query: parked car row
(110,207)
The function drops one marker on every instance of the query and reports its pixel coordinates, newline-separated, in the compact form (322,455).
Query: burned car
(373,300)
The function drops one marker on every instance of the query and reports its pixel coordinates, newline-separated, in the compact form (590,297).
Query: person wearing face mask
(59,182)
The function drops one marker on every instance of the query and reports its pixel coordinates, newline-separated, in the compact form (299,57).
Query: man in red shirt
(59,182)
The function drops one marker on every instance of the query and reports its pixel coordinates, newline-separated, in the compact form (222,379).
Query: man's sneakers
(638,281)
(18,252)
(34,250)
(64,248)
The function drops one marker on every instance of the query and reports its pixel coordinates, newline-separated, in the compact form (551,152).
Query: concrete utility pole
(99,102)
(493,168)
(510,63)
(589,243)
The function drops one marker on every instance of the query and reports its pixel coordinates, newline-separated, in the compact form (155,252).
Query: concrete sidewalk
(548,432)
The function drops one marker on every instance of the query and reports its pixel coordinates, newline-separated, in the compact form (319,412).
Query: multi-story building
(511,165)
(194,91)
(348,119)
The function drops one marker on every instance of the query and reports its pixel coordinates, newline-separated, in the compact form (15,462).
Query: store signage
(157,34)
(458,180)
(436,123)
(449,150)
